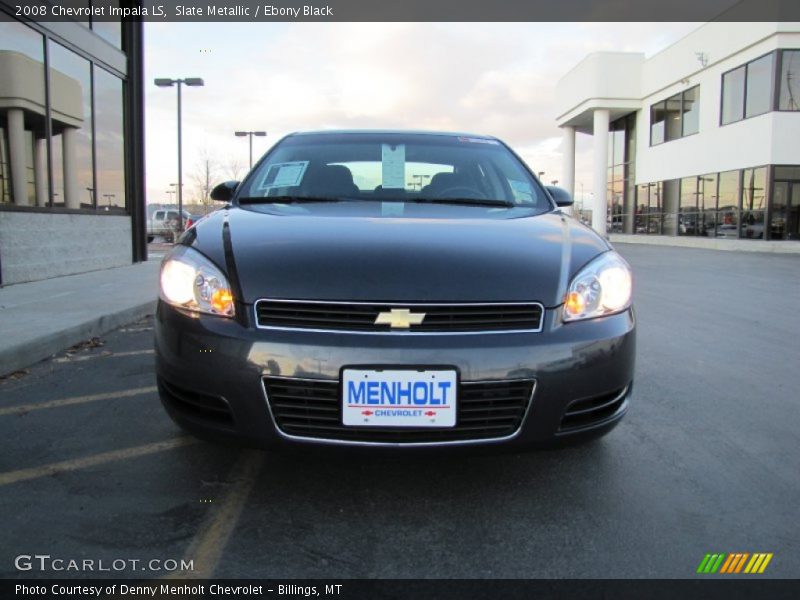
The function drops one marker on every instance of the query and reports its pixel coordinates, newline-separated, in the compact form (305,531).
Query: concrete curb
(774,247)
(43,347)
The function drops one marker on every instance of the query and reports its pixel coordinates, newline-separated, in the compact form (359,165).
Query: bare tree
(203,179)
(234,169)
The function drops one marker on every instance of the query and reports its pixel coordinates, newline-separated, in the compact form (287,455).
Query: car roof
(393,132)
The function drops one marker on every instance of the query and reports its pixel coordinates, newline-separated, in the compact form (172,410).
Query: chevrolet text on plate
(393,288)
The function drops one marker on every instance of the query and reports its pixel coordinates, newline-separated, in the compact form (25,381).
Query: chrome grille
(312,409)
(361,316)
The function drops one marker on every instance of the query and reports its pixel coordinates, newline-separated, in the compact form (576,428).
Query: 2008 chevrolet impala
(394,288)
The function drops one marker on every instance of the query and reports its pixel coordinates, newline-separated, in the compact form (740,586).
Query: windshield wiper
(288,199)
(463,201)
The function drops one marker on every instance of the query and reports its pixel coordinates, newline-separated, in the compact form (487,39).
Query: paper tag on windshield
(393,159)
(287,174)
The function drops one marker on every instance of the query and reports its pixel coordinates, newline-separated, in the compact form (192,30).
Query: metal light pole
(250,134)
(195,82)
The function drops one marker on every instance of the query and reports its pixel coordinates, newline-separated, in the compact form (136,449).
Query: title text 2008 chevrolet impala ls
(394,288)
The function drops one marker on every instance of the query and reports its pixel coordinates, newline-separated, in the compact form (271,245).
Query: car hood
(354,257)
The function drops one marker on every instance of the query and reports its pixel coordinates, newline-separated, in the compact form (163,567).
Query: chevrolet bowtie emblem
(399,318)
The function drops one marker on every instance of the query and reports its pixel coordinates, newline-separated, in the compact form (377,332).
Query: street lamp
(250,134)
(554,182)
(540,174)
(166,82)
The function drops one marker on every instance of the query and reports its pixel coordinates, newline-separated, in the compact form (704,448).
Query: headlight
(190,281)
(602,287)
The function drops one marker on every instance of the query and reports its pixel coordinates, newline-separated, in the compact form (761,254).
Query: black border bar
(264,11)
(734,587)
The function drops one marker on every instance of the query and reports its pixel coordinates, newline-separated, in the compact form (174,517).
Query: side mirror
(560,195)
(224,191)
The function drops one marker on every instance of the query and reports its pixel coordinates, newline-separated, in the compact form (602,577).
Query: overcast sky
(489,78)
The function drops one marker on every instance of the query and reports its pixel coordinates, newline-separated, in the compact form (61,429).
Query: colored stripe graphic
(731,563)
(703,563)
(727,565)
(735,563)
(710,563)
(765,563)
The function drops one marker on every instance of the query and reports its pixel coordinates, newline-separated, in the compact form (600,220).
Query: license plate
(399,397)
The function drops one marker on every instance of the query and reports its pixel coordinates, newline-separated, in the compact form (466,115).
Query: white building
(700,139)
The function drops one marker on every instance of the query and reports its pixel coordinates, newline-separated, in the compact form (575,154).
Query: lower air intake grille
(194,404)
(312,409)
(587,412)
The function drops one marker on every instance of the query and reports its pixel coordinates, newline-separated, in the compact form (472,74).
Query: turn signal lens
(222,301)
(575,303)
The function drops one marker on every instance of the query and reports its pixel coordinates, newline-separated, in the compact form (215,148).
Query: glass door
(793,212)
(786,211)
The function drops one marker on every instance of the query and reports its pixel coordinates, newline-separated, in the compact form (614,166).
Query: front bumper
(211,373)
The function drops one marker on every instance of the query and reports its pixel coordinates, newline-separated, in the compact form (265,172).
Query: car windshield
(446,169)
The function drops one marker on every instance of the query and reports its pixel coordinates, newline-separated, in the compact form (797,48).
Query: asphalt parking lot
(706,461)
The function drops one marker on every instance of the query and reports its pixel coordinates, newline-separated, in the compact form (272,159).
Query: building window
(111,31)
(657,116)
(675,117)
(728,205)
(733,95)
(747,91)
(690,120)
(71,126)
(649,212)
(758,94)
(621,193)
(754,202)
(81,164)
(109,141)
(5,174)
(785,206)
(789,95)
(707,204)
(688,214)
(23,151)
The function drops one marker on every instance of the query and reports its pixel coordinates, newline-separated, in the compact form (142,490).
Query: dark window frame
(663,102)
(777,60)
(48,37)
(777,78)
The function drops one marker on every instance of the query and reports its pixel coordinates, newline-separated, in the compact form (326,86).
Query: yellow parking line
(106,354)
(24,408)
(91,461)
(208,544)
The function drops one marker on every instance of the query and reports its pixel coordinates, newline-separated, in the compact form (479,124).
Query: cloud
(493,78)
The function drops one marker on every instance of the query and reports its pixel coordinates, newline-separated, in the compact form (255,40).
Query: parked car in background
(727,230)
(164,223)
